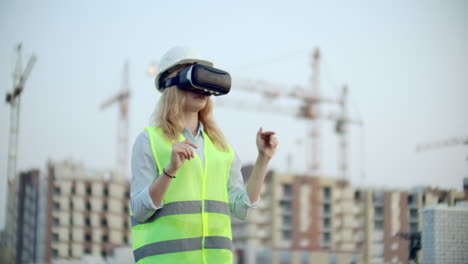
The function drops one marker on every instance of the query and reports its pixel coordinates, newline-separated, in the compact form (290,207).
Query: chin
(197,107)
(201,107)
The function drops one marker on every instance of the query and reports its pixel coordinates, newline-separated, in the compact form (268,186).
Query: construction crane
(455,141)
(13,99)
(451,142)
(311,99)
(122,98)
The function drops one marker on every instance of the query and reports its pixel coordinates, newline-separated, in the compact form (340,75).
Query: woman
(186,178)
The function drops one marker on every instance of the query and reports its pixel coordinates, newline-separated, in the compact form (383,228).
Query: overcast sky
(406,64)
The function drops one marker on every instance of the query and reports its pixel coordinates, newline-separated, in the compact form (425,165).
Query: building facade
(27,216)
(9,247)
(301,220)
(87,212)
(445,234)
(384,215)
(304,219)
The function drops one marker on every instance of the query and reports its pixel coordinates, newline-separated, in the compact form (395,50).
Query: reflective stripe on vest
(187,207)
(194,224)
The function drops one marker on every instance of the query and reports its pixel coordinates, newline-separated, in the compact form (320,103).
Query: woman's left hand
(266,143)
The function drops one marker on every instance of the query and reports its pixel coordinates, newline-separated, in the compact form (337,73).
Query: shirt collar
(199,130)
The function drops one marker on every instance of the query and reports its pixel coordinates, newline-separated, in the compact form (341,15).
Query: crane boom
(115,99)
(455,141)
(27,70)
(284,91)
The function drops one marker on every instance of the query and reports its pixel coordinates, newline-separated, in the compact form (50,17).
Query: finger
(274,141)
(188,142)
(268,133)
(188,152)
(181,151)
(186,149)
(192,155)
(267,137)
(270,140)
(259,131)
(181,156)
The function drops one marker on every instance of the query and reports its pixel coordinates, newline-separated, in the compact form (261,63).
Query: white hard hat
(177,56)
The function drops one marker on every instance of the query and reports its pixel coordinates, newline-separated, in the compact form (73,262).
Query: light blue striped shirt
(144,172)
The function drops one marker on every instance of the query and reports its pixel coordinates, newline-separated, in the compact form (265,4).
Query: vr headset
(201,79)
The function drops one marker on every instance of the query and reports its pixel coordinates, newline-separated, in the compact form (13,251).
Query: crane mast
(314,160)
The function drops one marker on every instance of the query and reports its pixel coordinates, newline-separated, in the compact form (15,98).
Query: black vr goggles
(202,79)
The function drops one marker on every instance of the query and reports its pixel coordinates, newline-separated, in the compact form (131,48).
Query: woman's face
(194,102)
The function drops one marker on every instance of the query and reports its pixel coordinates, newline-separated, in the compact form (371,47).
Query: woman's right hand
(181,151)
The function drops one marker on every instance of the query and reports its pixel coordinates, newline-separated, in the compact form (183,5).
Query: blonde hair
(168,115)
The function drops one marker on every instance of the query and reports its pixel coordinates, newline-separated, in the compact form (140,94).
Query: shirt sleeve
(144,172)
(239,201)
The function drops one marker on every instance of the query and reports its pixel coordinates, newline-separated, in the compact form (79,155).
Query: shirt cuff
(249,203)
(149,202)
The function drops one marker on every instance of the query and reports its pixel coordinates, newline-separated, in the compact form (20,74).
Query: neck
(190,121)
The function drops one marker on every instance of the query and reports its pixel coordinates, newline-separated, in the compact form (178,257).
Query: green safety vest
(194,225)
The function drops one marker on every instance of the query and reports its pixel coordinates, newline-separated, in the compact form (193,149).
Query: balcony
(378,199)
(377,236)
(240,234)
(325,243)
(413,212)
(378,225)
(286,198)
(262,220)
(286,211)
(379,217)
(287,192)
(263,234)
(359,237)
(264,204)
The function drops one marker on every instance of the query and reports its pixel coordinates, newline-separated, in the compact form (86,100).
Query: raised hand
(266,143)
(181,151)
